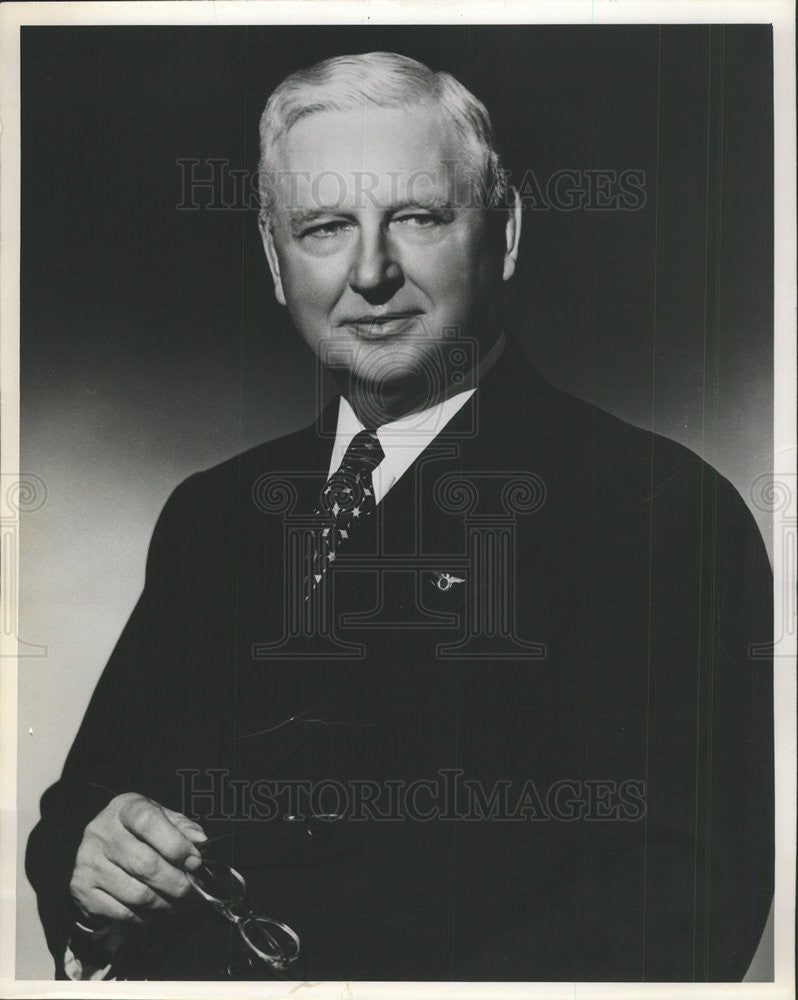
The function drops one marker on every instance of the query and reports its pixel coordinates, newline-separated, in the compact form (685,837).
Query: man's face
(377,245)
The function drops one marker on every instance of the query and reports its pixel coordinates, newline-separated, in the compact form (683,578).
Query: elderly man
(462,681)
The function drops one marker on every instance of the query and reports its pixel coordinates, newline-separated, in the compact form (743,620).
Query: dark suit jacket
(596,679)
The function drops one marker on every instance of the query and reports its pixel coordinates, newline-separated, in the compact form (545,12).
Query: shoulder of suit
(240,474)
(630,464)
(534,417)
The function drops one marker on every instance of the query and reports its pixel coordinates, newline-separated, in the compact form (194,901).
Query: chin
(397,359)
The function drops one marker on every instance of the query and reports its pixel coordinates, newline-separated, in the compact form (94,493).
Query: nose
(376,272)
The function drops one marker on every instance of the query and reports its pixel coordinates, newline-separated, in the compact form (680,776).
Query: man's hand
(132,861)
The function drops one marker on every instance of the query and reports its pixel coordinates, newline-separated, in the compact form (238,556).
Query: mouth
(381,325)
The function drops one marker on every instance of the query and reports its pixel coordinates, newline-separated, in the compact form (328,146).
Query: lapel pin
(443,581)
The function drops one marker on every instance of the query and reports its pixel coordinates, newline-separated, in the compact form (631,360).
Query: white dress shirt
(402,440)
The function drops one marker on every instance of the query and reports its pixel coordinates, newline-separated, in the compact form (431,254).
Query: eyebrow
(300,217)
(433,204)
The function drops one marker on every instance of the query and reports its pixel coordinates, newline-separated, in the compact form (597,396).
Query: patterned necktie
(346,501)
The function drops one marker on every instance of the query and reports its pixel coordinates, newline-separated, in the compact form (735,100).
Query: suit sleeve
(739,756)
(131,721)
(707,850)
(684,894)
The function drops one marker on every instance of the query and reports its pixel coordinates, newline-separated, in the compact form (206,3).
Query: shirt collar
(404,439)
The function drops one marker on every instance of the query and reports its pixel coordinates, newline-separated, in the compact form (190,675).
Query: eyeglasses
(268,940)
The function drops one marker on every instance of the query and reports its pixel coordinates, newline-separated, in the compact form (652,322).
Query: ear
(512,236)
(267,236)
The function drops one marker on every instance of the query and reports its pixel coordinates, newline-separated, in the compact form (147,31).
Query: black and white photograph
(399,506)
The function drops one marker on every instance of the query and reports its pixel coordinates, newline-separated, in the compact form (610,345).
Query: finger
(101,904)
(188,827)
(198,837)
(145,865)
(147,822)
(131,893)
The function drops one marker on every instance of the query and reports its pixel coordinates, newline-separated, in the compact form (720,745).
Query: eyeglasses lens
(218,883)
(272,941)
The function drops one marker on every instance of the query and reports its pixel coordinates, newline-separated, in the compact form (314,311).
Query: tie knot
(364,453)
(349,492)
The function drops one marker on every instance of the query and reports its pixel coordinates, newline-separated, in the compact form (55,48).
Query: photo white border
(779,13)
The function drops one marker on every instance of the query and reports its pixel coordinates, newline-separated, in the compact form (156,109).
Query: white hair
(385,80)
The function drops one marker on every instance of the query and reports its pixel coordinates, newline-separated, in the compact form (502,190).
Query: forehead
(346,159)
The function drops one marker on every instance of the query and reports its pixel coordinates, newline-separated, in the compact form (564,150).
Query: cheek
(311,286)
(459,275)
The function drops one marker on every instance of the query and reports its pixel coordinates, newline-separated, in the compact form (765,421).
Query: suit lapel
(448,537)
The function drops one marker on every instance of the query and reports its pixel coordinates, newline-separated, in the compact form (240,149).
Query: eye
(324,230)
(420,220)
